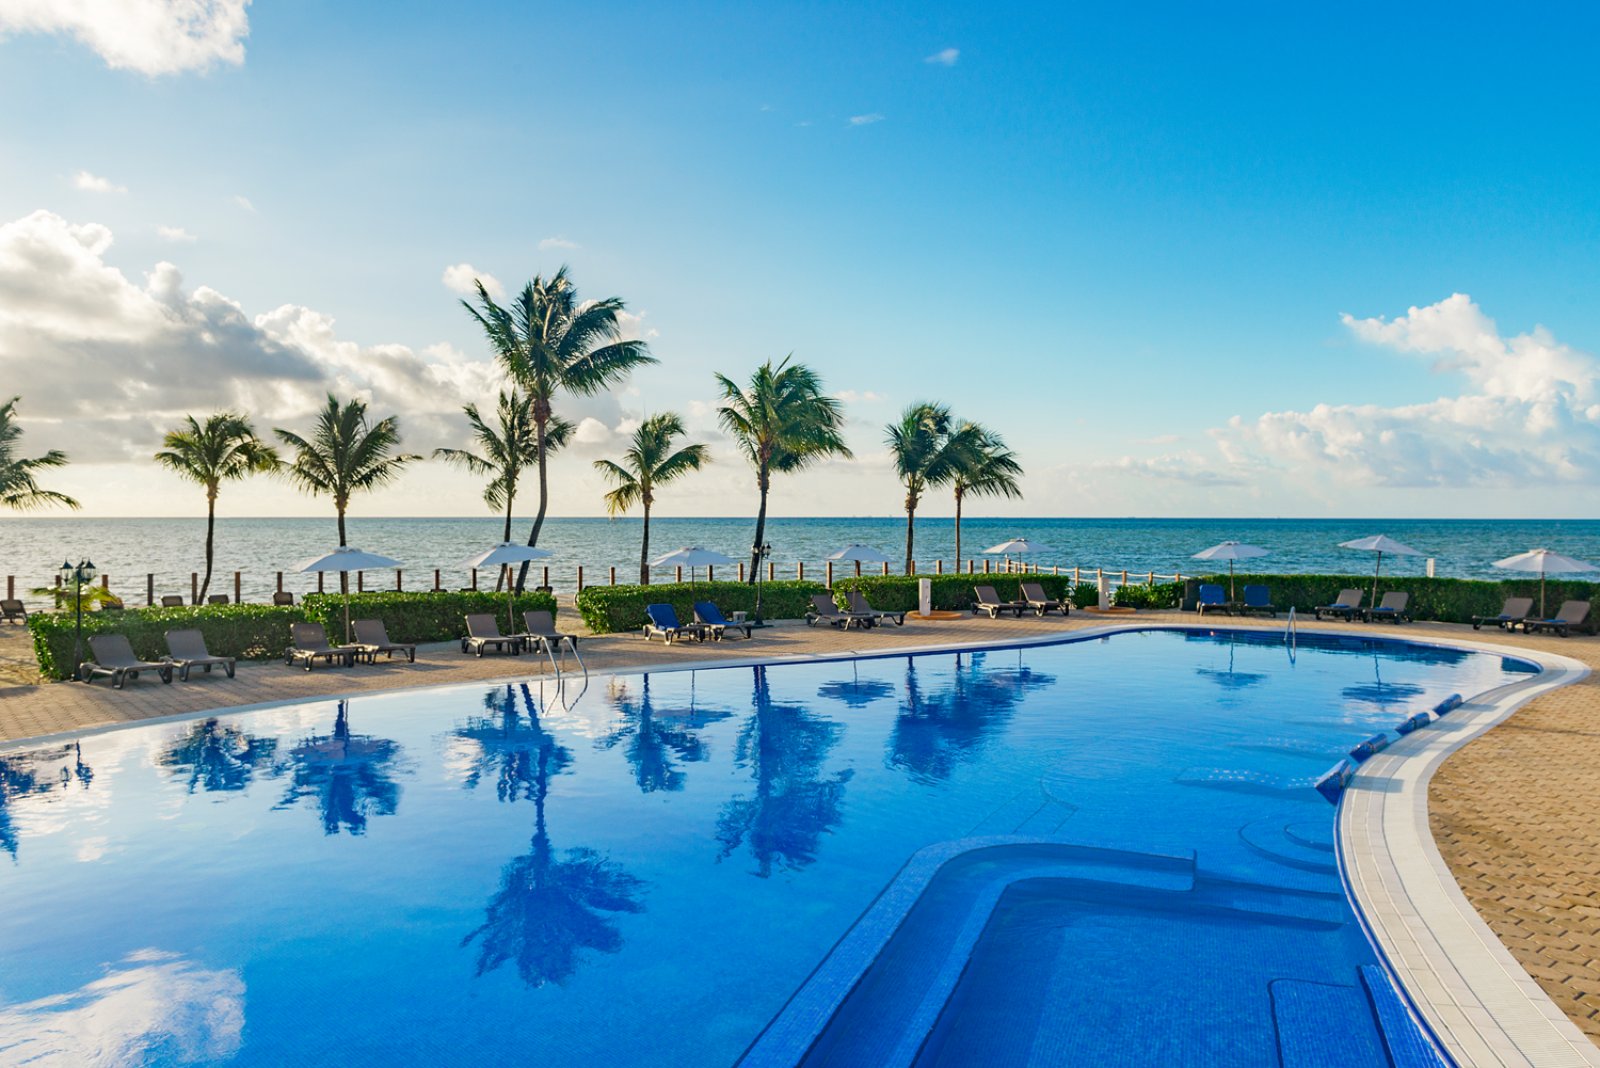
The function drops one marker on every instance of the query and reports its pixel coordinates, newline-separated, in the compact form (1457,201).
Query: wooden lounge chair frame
(185,656)
(373,638)
(1034,597)
(308,643)
(1509,617)
(708,615)
(483,632)
(987,600)
(114,656)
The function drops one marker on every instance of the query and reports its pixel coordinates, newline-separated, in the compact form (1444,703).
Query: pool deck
(1503,819)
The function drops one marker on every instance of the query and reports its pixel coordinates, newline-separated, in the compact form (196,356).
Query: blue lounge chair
(1392,608)
(1514,611)
(1346,607)
(710,616)
(1258,599)
(1572,614)
(663,620)
(1213,597)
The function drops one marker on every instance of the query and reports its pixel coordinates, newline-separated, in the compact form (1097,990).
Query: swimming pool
(645,872)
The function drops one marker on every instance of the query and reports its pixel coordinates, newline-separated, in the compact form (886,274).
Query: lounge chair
(187,649)
(990,602)
(860,607)
(1258,598)
(717,625)
(1346,607)
(114,656)
(1214,597)
(541,628)
(217,598)
(1514,611)
(824,610)
(1034,597)
(662,619)
(373,637)
(1572,614)
(283,599)
(308,643)
(1392,607)
(12,611)
(483,632)
(171,600)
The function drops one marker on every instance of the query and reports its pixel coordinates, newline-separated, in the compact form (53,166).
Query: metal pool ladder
(1291,633)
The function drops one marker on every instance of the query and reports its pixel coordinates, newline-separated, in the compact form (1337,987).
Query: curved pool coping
(1462,982)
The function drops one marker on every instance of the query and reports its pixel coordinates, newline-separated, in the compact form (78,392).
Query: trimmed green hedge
(247,631)
(1141,595)
(1442,599)
(419,617)
(951,593)
(609,609)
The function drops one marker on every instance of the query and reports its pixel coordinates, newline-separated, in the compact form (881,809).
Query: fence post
(985,565)
(1075,578)
(474,580)
(886,567)
(280,582)
(11,587)
(1124,576)
(801,573)
(1055,569)
(938,566)
(711,572)
(580,578)
(741,571)
(772,572)
(398,572)
(320,575)
(680,574)
(830,575)
(435,580)
(613,576)
(1152,580)
(858,569)
(194,587)
(546,575)
(238,587)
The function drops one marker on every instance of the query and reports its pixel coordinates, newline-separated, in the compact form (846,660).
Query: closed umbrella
(344,560)
(1380,544)
(692,558)
(858,554)
(504,555)
(1230,551)
(1545,562)
(1016,547)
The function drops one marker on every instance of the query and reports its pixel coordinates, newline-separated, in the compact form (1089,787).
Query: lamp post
(761,553)
(78,577)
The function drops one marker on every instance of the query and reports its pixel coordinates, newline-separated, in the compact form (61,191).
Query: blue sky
(1105,232)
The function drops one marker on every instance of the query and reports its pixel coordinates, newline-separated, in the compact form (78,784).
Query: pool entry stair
(895,987)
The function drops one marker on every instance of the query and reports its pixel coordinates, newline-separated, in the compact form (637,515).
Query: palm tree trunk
(344,576)
(644,551)
(958,529)
(763,481)
(211,530)
(911,521)
(541,418)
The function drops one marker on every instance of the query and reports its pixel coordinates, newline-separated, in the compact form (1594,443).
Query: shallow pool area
(652,869)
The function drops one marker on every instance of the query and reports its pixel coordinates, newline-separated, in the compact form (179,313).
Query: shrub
(1085,595)
(1442,599)
(1140,595)
(419,617)
(247,631)
(950,593)
(609,609)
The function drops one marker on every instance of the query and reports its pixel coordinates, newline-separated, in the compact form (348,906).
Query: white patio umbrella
(1380,544)
(859,554)
(691,558)
(505,554)
(1016,547)
(1230,551)
(344,560)
(1545,562)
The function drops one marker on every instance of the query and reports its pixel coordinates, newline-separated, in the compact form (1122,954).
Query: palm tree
(783,421)
(506,449)
(550,343)
(649,462)
(345,455)
(988,469)
(18,489)
(927,453)
(222,449)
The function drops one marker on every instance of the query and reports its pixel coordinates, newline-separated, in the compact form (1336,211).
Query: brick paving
(1514,812)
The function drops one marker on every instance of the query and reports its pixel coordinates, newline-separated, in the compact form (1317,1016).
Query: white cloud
(461,278)
(548,243)
(149,36)
(865,120)
(93,183)
(176,234)
(243,202)
(851,396)
(631,327)
(945,57)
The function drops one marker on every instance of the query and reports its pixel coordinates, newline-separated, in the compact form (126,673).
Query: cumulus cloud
(851,396)
(176,234)
(865,120)
(149,36)
(93,183)
(461,278)
(243,202)
(945,57)
(548,243)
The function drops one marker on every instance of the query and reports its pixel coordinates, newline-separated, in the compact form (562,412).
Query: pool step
(1249,781)
(1302,845)
(1408,1047)
(1293,747)
(1301,1011)
(1325,908)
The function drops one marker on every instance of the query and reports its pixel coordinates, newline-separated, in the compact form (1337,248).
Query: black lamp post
(77,577)
(761,553)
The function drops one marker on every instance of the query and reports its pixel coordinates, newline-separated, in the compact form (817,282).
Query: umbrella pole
(1375,569)
(1230,595)
(1542,613)
(346,612)
(511,601)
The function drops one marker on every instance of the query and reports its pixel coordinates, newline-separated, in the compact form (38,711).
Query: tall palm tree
(549,342)
(783,421)
(928,451)
(18,489)
(345,455)
(222,449)
(988,469)
(650,461)
(506,449)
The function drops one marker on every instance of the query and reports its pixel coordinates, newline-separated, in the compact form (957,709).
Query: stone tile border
(1465,985)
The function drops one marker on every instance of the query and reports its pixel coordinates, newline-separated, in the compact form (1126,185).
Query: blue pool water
(645,872)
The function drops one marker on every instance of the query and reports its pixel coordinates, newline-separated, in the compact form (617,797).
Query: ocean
(32,548)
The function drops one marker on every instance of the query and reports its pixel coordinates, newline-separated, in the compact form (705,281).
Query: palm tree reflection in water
(655,736)
(793,806)
(219,758)
(350,775)
(549,908)
(937,731)
(24,774)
